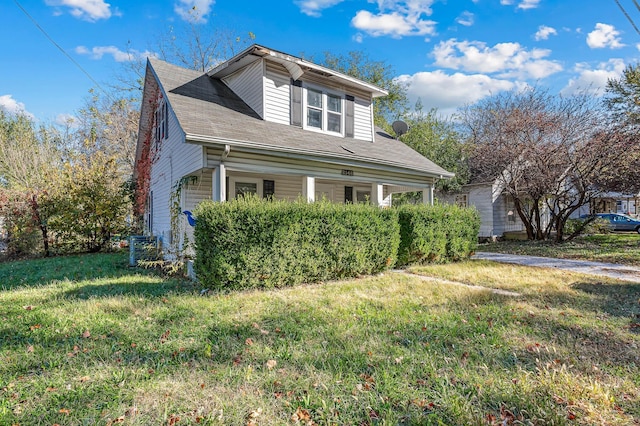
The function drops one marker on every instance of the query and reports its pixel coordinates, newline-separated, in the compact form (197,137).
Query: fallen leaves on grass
(86,334)
(271,364)
(253,416)
(302,416)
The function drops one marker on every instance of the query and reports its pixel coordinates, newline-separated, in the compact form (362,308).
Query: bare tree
(550,153)
(196,44)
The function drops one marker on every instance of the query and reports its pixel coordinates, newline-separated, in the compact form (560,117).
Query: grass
(105,344)
(614,248)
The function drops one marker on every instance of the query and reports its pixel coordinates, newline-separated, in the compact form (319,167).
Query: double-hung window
(324,111)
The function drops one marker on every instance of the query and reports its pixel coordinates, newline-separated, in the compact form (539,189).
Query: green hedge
(254,243)
(439,233)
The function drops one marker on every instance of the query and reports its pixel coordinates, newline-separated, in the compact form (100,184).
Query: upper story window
(324,111)
(162,121)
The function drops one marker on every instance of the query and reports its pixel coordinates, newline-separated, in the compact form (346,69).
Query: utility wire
(64,52)
(637,5)
(627,15)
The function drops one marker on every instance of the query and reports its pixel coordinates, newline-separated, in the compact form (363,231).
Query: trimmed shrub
(597,226)
(436,234)
(250,243)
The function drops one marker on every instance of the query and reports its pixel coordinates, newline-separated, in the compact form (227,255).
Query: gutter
(300,153)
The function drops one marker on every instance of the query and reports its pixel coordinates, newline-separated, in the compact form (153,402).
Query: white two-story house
(271,124)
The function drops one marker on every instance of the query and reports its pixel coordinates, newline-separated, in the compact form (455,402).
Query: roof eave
(319,155)
(296,67)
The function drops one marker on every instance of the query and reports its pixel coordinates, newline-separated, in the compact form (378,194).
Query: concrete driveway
(611,270)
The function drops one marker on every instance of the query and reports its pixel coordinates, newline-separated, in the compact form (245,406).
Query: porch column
(427,195)
(309,188)
(377,195)
(219,184)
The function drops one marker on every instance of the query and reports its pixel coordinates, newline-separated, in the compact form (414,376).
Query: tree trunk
(35,209)
(525,221)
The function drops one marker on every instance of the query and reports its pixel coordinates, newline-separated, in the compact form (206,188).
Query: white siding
(175,159)
(247,84)
(259,163)
(192,194)
(480,197)
(362,119)
(199,191)
(277,95)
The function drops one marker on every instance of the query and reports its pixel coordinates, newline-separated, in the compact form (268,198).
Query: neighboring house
(270,124)
(615,202)
(496,208)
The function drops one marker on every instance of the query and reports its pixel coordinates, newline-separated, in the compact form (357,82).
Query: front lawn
(104,344)
(621,247)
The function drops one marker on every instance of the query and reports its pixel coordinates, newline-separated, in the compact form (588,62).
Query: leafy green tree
(26,152)
(110,126)
(623,102)
(436,138)
(623,97)
(360,65)
(90,202)
(27,158)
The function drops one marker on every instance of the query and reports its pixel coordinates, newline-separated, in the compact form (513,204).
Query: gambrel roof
(210,112)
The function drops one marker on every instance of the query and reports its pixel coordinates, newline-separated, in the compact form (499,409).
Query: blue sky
(448,52)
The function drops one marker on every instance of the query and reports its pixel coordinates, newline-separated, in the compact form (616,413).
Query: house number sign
(347,172)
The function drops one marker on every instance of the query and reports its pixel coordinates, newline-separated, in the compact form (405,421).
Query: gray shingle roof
(207,109)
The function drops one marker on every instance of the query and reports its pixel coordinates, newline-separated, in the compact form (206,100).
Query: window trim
(462,200)
(149,212)
(366,195)
(325,109)
(161,115)
(241,179)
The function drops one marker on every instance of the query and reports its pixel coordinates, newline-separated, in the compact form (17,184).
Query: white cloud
(67,120)
(594,80)
(447,92)
(397,19)
(88,10)
(12,106)
(118,55)
(524,4)
(507,59)
(544,32)
(466,18)
(528,4)
(358,37)
(315,7)
(604,35)
(194,10)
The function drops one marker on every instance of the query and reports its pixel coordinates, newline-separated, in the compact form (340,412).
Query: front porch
(222,184)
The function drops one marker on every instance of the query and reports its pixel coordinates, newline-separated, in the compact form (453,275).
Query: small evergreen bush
(436,234)
(250,243)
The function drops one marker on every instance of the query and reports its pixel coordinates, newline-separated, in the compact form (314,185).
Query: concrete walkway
(611,270)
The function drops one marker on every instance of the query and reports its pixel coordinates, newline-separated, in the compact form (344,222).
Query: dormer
(286,89)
